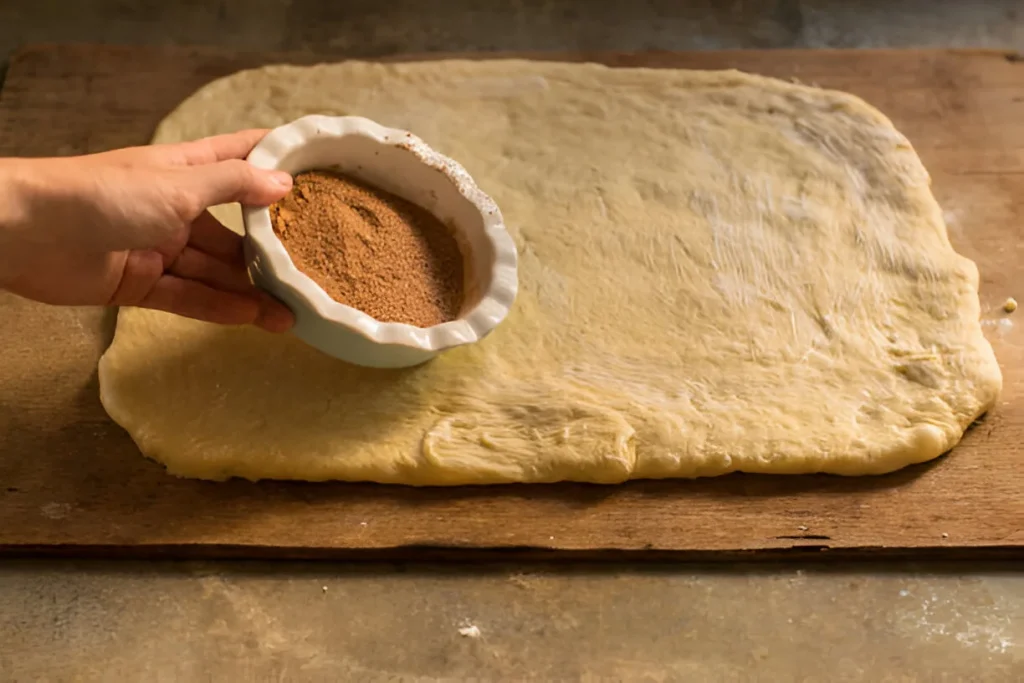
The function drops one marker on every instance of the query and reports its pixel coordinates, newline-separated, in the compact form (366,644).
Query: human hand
(131,228)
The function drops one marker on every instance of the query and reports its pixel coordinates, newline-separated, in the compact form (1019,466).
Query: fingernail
(281,179)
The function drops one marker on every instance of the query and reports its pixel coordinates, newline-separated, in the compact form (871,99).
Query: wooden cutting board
(72,481)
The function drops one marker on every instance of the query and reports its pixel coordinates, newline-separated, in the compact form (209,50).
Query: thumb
(236,180)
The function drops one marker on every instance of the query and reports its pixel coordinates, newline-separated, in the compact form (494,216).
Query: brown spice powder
(371,250)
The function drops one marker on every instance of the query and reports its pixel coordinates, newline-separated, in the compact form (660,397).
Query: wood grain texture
(71,480)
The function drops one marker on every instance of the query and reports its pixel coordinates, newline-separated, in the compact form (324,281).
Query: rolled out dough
(719,272)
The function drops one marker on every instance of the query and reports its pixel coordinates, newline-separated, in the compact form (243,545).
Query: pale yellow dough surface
(719,272)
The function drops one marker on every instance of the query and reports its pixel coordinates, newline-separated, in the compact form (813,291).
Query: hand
(130,228)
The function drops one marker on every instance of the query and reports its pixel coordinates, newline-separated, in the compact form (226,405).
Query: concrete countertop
(107,621)
(131,621)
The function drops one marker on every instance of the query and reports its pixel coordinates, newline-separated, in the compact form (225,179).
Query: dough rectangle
(720,272)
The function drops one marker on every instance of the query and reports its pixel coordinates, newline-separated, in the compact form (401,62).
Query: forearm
(42,204)
(15,223)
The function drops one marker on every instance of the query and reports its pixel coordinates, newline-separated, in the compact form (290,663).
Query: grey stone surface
(371,27)
(87,621)
(107,621)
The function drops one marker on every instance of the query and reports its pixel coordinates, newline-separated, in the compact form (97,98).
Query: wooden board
(72,481)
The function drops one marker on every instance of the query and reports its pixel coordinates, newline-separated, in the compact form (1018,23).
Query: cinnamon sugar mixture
(371,250)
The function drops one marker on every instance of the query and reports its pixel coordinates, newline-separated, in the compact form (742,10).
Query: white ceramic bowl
(400,163)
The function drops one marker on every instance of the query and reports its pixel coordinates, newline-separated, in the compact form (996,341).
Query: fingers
(227,274)
(199,286)
(194,299)
(193,264)
(210,235)
(274,316)
(219,147)
(203,151)
(141,271)
(234,181)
